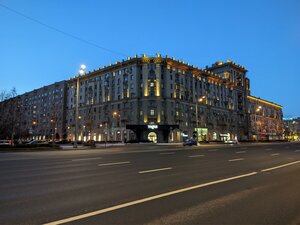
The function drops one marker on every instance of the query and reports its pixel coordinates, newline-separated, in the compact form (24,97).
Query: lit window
(151,84)
(152,112)
(141,112)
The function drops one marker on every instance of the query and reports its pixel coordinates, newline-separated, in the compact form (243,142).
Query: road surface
(150,184)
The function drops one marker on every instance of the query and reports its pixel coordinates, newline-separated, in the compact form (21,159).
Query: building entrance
(153,132)
(152,136)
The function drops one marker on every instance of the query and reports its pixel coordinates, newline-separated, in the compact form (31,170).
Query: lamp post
(34,123)
(256,123)
(201,99)
(53,131)
(114,124)
(81,72)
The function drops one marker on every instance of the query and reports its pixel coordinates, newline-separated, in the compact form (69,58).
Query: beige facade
(266,120)
(292,129)
(210,103)
(156,98)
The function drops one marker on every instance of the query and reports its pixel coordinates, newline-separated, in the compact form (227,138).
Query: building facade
(41,113)
(147,98)
(160,99)
(266,120)
(292,129)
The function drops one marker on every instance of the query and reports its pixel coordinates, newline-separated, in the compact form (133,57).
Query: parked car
(91,143)
(35,142)
(63,142)
(190,142)
(231,142)
(5,142)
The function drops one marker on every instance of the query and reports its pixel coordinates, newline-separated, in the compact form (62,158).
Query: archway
(152,136)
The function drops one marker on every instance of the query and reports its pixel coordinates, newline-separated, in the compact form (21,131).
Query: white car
(231,142)
(5,142)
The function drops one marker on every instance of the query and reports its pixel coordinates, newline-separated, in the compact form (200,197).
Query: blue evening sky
(262,35)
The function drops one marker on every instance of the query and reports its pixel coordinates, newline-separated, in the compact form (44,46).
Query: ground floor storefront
(159,134)
(264,136)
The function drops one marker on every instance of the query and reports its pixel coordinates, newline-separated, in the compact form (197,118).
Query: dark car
(38,142)
(91,143)
(190,142)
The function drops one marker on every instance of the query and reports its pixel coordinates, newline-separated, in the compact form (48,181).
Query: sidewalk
(89,147)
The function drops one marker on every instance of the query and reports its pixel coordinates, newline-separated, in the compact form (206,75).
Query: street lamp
(34,123)
(114,123)
(81,72)
(257,123)
(53,131)
(201,99)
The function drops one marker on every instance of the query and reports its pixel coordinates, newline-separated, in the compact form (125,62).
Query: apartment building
(160,99)
(39,114)
(266,120)
(149,98)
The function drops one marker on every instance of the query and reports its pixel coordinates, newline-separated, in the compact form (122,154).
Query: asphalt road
(148,184)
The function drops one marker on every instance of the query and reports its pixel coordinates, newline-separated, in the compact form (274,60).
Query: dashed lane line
(114,163)
(240,152)
(86,159)
(194,156)
(275,154)
(213,150)
(268,149)
(155,170)
(233,160)
(167,153)
(297,150)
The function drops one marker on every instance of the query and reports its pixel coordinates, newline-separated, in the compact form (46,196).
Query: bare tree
(10,109)
(3,94)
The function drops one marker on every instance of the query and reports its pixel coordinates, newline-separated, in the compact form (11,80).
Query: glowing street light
(81,72)
(201,99)
(82,67)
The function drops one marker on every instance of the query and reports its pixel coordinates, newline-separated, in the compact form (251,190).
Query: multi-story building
(266,121)
(155,98)
(41,112)
(161,99)
(292,129)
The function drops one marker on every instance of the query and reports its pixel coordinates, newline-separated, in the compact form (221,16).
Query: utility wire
(61,31)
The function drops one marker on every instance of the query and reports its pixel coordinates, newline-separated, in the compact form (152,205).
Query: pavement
(151,184)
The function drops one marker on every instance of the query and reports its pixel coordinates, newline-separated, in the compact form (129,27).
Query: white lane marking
(213,150)
(155,170)
(277,167)
(275,154)
(115,163)
(147,199)
(193,156)
(240,152)
(74,160)
(297,150)
(233,160)
(167,153)
(268,149)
